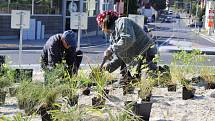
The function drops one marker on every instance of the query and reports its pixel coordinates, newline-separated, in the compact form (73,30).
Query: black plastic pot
(187,94)
(12,91)
(197,79)
(44,113)
(74,100)
(86,91)
(171,87)
(2,60)
(142,109)
(23,74)
(210,86)
(98,102)
(2,97)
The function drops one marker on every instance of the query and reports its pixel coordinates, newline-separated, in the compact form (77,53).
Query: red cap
(100,18)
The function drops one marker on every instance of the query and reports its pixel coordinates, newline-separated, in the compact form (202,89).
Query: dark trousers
(73,60)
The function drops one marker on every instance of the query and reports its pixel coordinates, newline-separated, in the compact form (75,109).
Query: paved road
(177,33)
(90,57)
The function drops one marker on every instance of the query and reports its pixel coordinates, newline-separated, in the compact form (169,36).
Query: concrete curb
(208,50)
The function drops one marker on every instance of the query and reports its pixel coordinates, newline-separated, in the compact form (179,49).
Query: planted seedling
(99,77)
(145,88)
(70,89)
(208,75)
(6,80)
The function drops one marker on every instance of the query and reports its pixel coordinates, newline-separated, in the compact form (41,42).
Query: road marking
(207,38)
(166,40)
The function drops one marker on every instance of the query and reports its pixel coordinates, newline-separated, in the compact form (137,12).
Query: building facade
(53,14)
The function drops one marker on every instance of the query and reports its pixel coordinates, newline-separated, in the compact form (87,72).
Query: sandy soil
(167,106)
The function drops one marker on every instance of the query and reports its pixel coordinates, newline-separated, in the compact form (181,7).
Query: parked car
(170,12)
(168,19)
(177,16)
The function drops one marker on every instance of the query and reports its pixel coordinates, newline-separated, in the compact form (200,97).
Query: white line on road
(166,40)
(207,38)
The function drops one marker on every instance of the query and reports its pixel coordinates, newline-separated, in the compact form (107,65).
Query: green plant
(145,86)
(83,78)
(123,114)
(70,86)
(99,77)
(17,117)
(74,113)
(28,95)
(6,76)
(185,65)
(55,75)
(207,73)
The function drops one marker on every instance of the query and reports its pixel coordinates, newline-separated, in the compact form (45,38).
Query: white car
(170,12)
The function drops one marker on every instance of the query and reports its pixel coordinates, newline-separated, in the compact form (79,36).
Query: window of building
(35,6)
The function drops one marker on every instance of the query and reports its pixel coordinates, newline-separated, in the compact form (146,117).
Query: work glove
(108,54)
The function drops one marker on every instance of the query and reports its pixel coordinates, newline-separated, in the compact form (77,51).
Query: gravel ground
(167,106)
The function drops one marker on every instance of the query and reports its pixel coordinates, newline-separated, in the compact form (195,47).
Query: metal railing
(38,9)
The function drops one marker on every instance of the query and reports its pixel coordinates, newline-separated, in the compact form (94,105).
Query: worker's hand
(108,54)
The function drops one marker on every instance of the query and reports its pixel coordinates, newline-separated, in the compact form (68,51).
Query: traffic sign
(20,18)
(78,20)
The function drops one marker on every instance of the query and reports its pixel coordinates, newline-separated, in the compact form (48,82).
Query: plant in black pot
(84,82)
(190,61)
(145,88)
(187,90)
(6,80)
(23,75)
(47,100)
(208,75)
(100,78)
(163,76)
(28,95)
(70,89)
(143,106)
(175,76)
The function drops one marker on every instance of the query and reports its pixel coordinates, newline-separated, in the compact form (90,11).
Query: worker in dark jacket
(59,47)
(128,41)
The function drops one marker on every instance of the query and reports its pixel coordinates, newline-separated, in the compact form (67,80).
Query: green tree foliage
(130,7)
(158,4)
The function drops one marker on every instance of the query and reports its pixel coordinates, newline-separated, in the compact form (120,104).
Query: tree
(130,7)
(158,4)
